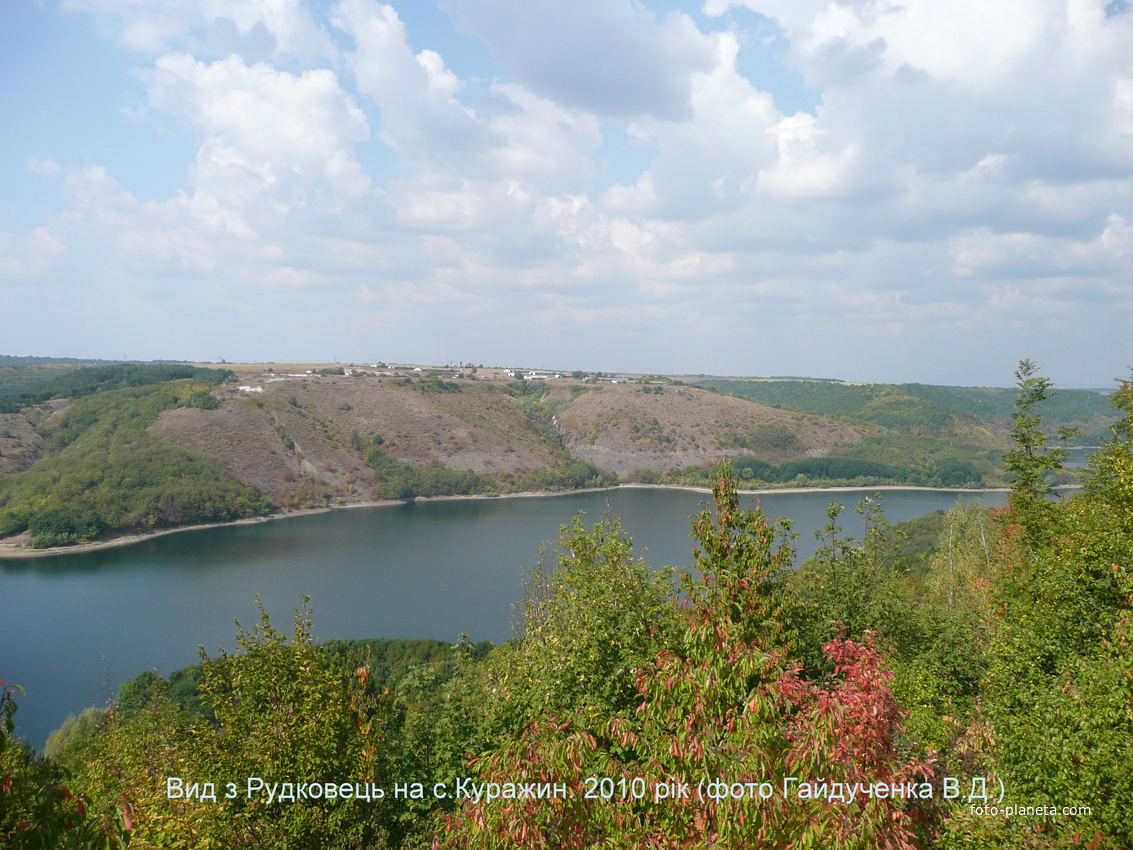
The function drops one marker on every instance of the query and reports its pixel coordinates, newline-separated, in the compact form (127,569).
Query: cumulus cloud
(264,133)
(510,134)
(707,164)
(254,29)
(941,87)
(421,116)
(611,57)
(30,256)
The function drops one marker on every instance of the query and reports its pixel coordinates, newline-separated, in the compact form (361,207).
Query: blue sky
(871,190)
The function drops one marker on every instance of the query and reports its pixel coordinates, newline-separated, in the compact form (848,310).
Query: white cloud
(611,57)
(29,257)
(421,117)
(1036,257)
(265,134)
(254,29)
(539,141)
(512,136)
(43,167)
(709,163)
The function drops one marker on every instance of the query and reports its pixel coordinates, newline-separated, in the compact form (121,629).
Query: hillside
(296,429)
(972,414)
(132,448)
(511,433)
(660,428)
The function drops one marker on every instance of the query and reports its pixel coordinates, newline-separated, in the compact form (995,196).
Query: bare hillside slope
(626,427)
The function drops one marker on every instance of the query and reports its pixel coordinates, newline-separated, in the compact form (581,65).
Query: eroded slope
(627,427)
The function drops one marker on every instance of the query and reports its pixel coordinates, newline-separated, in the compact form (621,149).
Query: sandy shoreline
(14,551)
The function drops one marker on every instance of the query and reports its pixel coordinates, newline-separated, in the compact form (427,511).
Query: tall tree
(1031,459)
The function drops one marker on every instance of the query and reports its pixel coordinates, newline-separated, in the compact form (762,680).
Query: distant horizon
(79,361)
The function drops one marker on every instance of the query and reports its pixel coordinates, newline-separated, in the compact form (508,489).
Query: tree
(1058,685)
(959,571)
(1109,476)
(1030,459)
(38,809)
(283,713)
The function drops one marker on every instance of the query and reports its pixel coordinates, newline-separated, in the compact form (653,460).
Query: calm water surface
(74,627)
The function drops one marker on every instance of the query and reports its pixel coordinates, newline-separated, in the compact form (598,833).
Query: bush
(64,525)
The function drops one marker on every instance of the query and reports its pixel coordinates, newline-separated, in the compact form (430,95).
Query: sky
(868,190)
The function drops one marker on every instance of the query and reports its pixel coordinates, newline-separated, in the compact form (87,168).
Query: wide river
(74,627)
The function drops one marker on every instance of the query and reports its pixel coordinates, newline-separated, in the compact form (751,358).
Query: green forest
(892,459)
(971,687)
(89,380)
(104,473)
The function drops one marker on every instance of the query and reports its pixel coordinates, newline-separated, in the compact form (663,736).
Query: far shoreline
(15,552)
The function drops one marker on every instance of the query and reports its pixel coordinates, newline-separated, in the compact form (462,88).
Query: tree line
(94,379)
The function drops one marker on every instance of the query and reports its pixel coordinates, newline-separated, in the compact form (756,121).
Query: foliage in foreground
(1007,655)
(723,700)
(38,809)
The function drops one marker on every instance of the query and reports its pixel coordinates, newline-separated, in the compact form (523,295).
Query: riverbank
(18,547)
(876,488)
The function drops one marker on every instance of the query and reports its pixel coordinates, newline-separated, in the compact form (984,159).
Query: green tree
(847,588)
(1059,671)
(593,617)
(38,808)
(284,715)
(73,734)
(1109,476)
(1031,460)
(962,564)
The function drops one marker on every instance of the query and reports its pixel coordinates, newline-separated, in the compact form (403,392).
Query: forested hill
(124,448)
(89,380)
(83,465)
(923,408)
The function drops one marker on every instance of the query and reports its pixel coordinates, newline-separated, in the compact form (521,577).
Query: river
(74,627)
